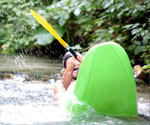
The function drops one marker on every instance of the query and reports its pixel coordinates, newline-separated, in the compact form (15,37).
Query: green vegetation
(81,23)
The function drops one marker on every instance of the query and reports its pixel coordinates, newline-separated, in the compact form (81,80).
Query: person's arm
(67,75)
(80,57)
(57,90)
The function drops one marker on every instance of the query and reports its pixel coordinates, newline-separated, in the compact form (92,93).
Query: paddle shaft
(73,53)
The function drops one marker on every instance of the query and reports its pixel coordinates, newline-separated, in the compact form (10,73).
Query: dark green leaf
(142,48)
(137,50)
(61,21)
(43,37)
(131,47)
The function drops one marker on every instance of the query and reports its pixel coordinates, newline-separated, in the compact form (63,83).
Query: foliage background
(81,23)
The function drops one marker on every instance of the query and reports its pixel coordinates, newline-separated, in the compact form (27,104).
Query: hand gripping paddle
(49,28)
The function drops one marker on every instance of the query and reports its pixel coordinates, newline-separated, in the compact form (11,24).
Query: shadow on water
(23,101)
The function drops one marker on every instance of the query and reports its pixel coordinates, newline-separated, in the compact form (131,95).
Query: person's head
(66,57)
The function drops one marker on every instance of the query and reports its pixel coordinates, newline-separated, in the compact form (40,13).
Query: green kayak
(105,81)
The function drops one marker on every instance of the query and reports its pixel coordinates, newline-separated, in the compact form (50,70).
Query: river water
(28,99)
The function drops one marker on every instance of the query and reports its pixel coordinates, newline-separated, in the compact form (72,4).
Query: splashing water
(27,103)
(32,103)
(144,104)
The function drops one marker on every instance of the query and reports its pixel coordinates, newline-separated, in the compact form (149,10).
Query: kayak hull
(105,81)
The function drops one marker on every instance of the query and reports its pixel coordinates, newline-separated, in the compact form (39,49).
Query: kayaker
(71,67)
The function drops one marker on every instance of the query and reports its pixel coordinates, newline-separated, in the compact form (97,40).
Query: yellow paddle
(49,28)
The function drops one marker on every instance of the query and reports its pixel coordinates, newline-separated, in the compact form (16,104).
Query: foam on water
(28,103)
(144,107)
(22,103)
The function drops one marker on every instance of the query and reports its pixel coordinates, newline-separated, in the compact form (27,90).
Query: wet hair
(66,56)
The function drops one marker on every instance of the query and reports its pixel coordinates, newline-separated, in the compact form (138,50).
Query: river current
(32,102)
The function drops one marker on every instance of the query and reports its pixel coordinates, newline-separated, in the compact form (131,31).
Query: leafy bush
(80,23)
(19,29)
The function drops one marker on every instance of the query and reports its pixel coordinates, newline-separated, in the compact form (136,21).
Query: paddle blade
(48,27)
